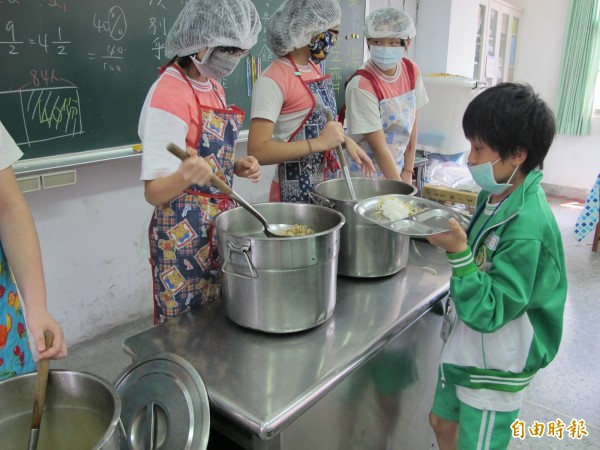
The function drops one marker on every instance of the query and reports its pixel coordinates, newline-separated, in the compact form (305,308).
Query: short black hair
(510,117)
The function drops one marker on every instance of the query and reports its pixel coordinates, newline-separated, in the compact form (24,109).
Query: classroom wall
(93,233)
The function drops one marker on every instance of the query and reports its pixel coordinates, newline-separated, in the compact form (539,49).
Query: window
(496,46)
(597,95)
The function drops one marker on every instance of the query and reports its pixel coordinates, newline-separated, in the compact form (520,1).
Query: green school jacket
(509,290)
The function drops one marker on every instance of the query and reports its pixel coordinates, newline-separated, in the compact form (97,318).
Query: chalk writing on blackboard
(55,44)
(49,107)
(77,71)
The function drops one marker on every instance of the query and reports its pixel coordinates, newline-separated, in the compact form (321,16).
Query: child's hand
(406,177)
(360,156)
(40,320)
(194,169)
(453,241)
(331,136)
(248,167)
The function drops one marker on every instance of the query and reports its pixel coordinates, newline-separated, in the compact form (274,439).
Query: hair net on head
(210,23)
(295,22)
(389,23)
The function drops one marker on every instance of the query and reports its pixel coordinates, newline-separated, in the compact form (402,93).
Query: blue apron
(297,178)
(15,355)
(183,246)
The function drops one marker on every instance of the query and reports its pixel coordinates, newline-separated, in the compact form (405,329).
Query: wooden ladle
(224,187)
(40,394)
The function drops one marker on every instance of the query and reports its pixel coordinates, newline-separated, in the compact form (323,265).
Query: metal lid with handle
(164,404)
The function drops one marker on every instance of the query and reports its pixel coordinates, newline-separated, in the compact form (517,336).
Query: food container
(157,403)
(440,120)
(366,250)
(81,412)
(279,285)
(408,216)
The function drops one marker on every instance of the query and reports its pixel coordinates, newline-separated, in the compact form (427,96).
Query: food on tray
(394,209)
(297,230)
(444,75)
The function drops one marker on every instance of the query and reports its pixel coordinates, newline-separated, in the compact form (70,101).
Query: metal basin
(81,412)
(366,250)
(279,285)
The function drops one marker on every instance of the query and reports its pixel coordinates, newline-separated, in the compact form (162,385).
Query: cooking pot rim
(358,180)
(340,224)
(111,428)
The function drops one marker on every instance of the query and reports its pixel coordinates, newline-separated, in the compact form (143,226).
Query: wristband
(406,170)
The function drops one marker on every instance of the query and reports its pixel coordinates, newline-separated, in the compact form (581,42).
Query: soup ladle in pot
(224,187)
(343,163)
(40,395)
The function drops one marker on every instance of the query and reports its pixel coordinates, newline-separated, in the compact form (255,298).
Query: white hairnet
(295,22)
(210,23)
(389,23)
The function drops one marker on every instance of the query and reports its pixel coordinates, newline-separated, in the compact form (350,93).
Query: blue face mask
(386,57)
(483,174)
(322,45)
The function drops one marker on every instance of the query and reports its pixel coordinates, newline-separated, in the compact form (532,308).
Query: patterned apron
(397,117)
(297,178)
(15,355)
(183,246)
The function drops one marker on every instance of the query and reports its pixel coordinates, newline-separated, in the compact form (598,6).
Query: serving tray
(425,218)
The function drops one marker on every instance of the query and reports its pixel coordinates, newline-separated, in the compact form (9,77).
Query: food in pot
(298,230)
(394,209)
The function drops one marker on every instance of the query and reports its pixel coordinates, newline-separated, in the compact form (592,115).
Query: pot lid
(164,404)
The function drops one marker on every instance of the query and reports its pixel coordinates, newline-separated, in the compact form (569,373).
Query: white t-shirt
(362,106)
(281,97)
(170,114)
(9,151)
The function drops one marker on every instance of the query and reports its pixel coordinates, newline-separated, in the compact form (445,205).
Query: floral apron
(297,178)
(397,117)
(183,245)
(15,355)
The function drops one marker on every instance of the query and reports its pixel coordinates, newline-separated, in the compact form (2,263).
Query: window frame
(482,56)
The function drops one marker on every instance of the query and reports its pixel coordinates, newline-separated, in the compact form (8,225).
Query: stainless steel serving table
(364,379)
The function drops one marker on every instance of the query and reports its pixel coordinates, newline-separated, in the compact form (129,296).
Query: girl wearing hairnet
(186,106)
(382,97)
(292,100)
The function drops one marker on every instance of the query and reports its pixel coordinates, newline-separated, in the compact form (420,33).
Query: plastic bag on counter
(450,174)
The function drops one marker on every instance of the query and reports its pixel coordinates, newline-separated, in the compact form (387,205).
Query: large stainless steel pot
(279,285)
(82,412)
(159,402)
(366,250)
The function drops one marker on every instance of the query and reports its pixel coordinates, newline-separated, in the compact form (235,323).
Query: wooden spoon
(40,394)
(224,187)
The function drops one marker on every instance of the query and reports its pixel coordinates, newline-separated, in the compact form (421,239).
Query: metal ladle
(343,163)
(224,187)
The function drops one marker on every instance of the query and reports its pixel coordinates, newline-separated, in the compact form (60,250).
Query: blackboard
(75,72)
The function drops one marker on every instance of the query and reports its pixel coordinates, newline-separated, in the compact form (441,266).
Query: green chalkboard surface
(75,72)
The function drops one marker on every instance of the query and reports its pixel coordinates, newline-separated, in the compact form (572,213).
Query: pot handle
(243,250)
(121,431)
(318,199)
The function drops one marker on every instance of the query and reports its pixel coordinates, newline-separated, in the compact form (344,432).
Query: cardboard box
(444,194)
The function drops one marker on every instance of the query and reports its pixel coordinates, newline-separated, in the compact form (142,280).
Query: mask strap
(513,174)
(514,171)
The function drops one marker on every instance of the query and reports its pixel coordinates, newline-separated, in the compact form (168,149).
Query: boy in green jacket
(508,288)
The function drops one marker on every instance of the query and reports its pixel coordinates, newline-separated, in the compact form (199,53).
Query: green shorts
(477,429)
